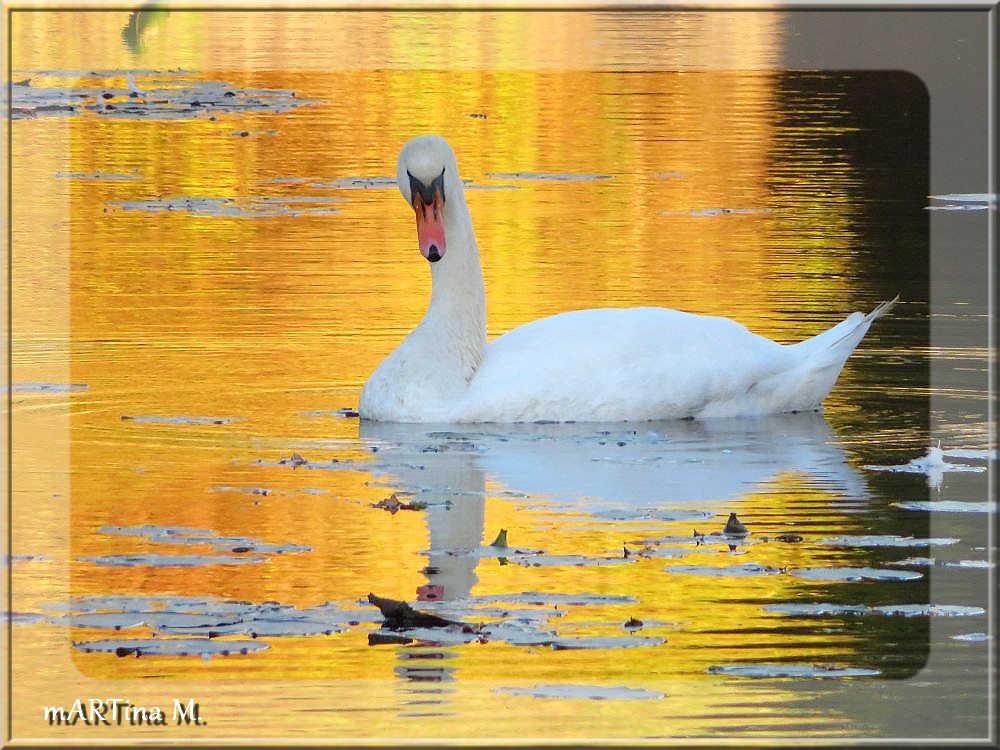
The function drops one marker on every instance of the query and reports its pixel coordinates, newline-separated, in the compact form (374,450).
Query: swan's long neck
(454,327)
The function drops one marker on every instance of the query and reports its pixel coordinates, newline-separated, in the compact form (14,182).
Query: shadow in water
(659,471)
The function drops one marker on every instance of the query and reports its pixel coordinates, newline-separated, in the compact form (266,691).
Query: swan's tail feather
(818,362)
(866,321)
(844,336)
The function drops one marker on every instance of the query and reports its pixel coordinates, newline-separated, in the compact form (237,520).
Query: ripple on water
(258,206)
(791,670)
(364,183)
(547,598)
(183,535)
(601,642)
(98,175)
(48,387)
(178,420)
(746,569)
(184,98)
(551,561)
(971,637)
(166,561)
(821,609)
(549,176)
(886,540)
(204,647)
(582,692)
(856,574)
(651,514)
(716,211)
(947,506)
(207,618)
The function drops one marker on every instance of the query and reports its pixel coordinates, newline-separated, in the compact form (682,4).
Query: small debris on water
(393,504)
(734,527)
(401,616)
(788,538)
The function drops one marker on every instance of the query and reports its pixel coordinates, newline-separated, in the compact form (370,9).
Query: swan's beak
(430,227)
(428,204)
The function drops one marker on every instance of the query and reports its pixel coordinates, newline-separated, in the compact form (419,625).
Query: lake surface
(210,257)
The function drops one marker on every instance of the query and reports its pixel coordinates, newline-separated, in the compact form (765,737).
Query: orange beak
(430,226)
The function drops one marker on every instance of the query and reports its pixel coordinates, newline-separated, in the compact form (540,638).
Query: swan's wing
(614,364)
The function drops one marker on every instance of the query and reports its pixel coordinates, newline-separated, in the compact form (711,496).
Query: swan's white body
(596,365)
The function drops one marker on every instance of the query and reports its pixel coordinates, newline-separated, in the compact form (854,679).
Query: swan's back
(619,364)
(646,363)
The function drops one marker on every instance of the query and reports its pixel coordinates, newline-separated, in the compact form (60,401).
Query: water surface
(201,290)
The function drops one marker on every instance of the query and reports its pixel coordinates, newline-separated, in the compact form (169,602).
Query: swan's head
(427,173)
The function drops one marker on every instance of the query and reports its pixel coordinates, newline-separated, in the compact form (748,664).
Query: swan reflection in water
(614,471)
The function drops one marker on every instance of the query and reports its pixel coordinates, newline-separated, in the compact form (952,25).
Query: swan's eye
(426,192)
(437,185)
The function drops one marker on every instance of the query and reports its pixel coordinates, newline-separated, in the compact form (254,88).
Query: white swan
(597,365)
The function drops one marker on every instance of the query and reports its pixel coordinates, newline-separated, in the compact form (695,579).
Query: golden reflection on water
(264,319)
